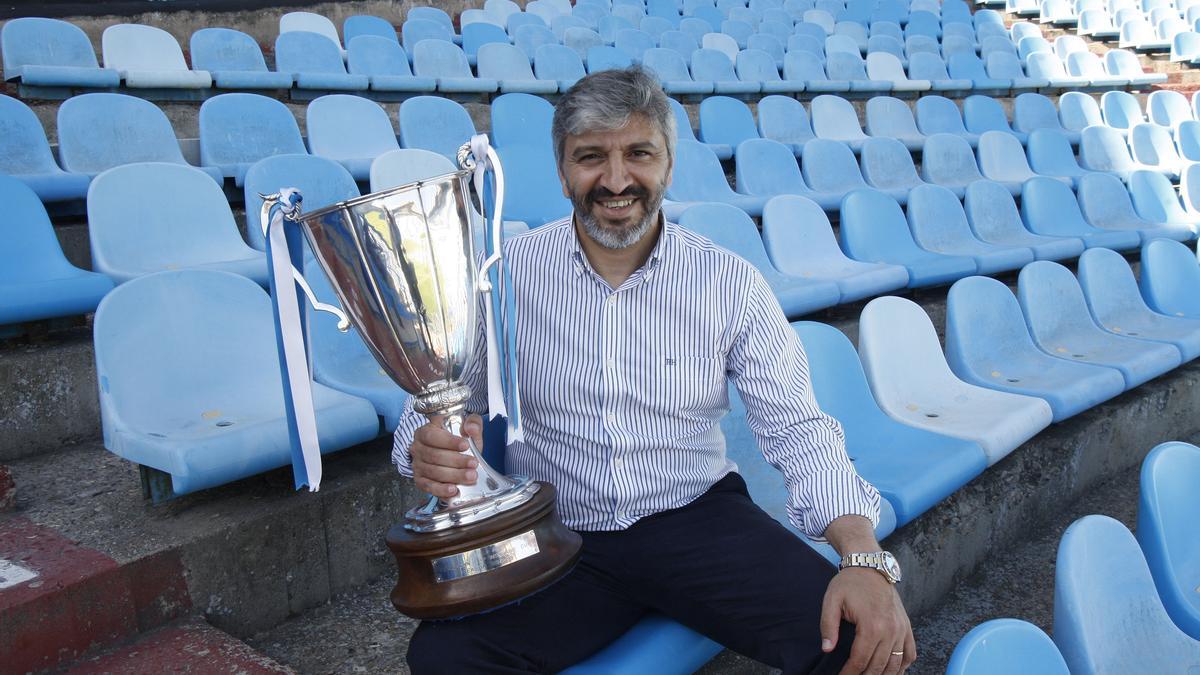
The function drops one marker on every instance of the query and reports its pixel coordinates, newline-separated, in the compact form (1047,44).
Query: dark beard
(617,238)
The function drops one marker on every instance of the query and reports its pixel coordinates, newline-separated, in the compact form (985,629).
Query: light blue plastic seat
(190,382)
(931,68)
(806,66)
(911,381)
(1089,66)
(1077,111)
(835,119)
(642,649)
(805,43)
(99,131)
(888,166)
(521,136)
(1103,148)
(726,121)
(774,47)
(558,64)
(887,43)
(560,24)
(1121,111)
(698,177)
(591,12)
(940,115)
(784,119)
(886,67)
(656,25)
(610,25)
(800,243)
(1168,108)
(510,67)
(1050,154)
(26,156)
(947,160)
(432,14)
(1002,159)
(1049,207)
(1108,618)
(1006,66)
(939,224)
(680,42)
(672,72)
(50,54)
(311,22)
(1058,318)
(984,113)
(852,68)
(415,29)
(446,63)
(435,123)
(830,168)
(237,130)
(522,119)
(889,117)
(131,236)
(1189,189)
(683,130)
(582,39)
(731,228)
(518,19)
(755,65)
(1003,646)
(1170,278)
(315,63)
(711,65)
(873,229)
(364,24)
(722,43)
(606,58)
(149,58)
(923,23)
(740,31)
(912,468)
(1167,513)
(234,60)
(696,26)
(1126,64)
(351,130)
(1155,200)
(1117,305)
(767,168)
(498,11)
(322,182)
(968,66)
(1152,146)
(1106,203)
(385,63)
(529,38)
(988,344)
(1035,111)
(36,280)
(1047,66)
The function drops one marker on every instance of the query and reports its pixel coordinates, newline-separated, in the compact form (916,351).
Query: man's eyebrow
(640,145)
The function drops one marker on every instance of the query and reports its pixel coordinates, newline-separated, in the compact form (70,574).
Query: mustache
(631,192)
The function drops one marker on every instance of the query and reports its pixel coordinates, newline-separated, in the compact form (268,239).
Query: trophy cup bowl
(402,263)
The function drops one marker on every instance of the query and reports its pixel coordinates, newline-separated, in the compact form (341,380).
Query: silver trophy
(402,263)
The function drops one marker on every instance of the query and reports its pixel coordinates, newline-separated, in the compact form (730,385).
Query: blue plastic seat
(711,65)
(939,224)
(48,54)
(99,131)
(416,29)
(886,67)
(681,42)
(385,64)
(672,72)
(767,168)
(698,177)
(521,134)
(988,344)
(1108,618)
(558,64)
(1189,189)
(322,182)
(888,166)
(1002,159)
(149,58)
(1050,154)
(1152,147)
(518,19)
(130,236)
(435,123)
(1035,111)
(1090,67)
(756,65)
(947,160)
(351,130)
(582,39)
(927,67)
(774,46)
(809,67)
(315,63)
(731,228)
(36,280)
(911,381)
(476,35)
(968,66)
(1002,646)
(606,58)
(234,60)
(1155,200)
(890,117)
(364,24)
(432,14)
(1049,207)
(726,121)
(829,167)
(1168,108)
(852,68)
(1126,64)
(1003,65)
(237,130)
(608,26)
(510,67)
(642,648)
(522,119)
(1170,278)
(559,25)
(940,115)
(1047,66)
(683,130)
(190,381)
(722,43)
(873,229)
(1117,305)
(1121,111)
(529,38)
(1058,318)
(740,31)
(784,119)
(834,119)
(1167,513)
(26,156)
(446,63)
(984,113)
(1106,203)
(311,22)
(800,243)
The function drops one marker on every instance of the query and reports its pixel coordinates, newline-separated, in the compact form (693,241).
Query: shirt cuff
(834,495)
(402,439)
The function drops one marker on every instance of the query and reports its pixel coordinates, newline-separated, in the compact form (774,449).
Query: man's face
(616,180)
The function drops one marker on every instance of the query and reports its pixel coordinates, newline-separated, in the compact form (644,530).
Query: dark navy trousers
(719,565)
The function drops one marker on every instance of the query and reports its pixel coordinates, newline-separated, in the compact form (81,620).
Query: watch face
(891,567)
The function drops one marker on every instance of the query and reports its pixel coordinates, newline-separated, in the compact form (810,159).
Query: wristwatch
(880,561)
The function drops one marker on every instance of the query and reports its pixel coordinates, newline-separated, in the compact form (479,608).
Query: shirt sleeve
(770,370)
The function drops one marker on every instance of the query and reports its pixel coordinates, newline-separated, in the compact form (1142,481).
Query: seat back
(582,39)
(374,55)
(1006,646)
(726,120)
(322,182)
(784,119)
(401,167)
(309,22)
(23,145)
(1102,148)
(1077,110)
(606,58)
(698,175)
(722,43)
(608,26)
(1001,157)
(476,35)
(939,115)
(364,24)
(100,131)
(984,113)
(130,46)
(1105,202)
(1170,277)
(1152,145)
(435,123)
(803,65)
(1121,110)
(556,62)
(833,117)
(1049,207)
(947,159)
(244,128)
(891,117)
(1168,108)
(1154,198)
(1109,287)
(900,350)
(1053,305)
(440,58)
(922,66)
(31,250)
(713,65)
(503,61)
(522,119)
(680,42)
(729,227)
(936,218)
(34,41)
(224,49)
(529,38)
(415,30)
(343,127)
(766,167)
(1168,510)
(829,166)
(887,164)
(984,327)
(1034,111)
(872,227)
(795,232)
(755,65)
(666,64)
(304,52)
(842,66)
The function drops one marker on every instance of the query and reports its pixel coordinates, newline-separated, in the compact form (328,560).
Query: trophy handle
(292,211)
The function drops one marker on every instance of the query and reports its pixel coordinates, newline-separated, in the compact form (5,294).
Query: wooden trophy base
(473,568)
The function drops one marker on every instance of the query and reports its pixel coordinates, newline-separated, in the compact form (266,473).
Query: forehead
(639,130)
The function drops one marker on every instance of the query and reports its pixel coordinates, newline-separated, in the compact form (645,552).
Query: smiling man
(630,329)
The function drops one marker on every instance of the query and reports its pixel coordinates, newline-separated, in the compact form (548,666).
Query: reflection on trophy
(403,264)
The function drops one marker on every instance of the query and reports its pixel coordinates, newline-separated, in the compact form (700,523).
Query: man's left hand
(883,640)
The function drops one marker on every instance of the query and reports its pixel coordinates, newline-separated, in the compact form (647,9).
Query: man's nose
(616,175)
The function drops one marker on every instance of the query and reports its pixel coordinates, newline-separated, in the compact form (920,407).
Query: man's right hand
(438,461)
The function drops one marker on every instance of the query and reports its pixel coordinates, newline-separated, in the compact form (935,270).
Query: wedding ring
(897,653)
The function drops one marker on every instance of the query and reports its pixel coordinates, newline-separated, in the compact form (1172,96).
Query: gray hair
(604,101)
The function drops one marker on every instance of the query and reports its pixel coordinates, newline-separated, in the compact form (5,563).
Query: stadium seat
(1167,513)
(800,242)
(522,119)
(149,58)
(608,27)
(711,65)
(1049,207)
(1058,318)
(829,167)
(756,65)
(873,229)
(1102,148)
(529,38)
(1108,618)
(993,217)
(731,228)
(363,24)
(886,67)
(888,166)
(36,280)
(606,58)
(988,344)
(316,65)
(767,168)
(698,177)
(309,22)
(890,117)
(1168,108)
(806,66)
(722,43)
(1090,67)
(1170,278)
(1050,154)
(683,129)
(940,115)
(912,468)
(1121,111)
(1106,203)
(1034,111)
(582,39)
(521,136)
(835,119)
(1004,646)
(322,182)
(47,56)
(931,68)
(1155,200)
(435,123)
(234,60)
(151,216)
(968,66)
(984,113)
(351,130)
(237,130)
(476,35)
(726,121)
(938,224)
(681,42)
(446,63)
(433,14)
(385,64)
(510,67)
(947,160)
(26,156)
(1002,159)
(784,119)
(642,648)
(190,381)
(1097,24)
(1126,64)
(558,64)
(99,131)
(913,384)
(1152,146)
(851,68)
(1003,65)
(1077,110)
(1047,66)
(672,72)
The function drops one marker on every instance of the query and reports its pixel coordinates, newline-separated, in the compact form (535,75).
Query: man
(629,327)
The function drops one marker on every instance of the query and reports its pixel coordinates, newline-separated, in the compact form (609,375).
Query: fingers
(438,461)
(894,658)
(831,619)
(910,650)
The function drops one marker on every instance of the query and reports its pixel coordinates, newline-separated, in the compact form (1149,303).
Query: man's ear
(563,182)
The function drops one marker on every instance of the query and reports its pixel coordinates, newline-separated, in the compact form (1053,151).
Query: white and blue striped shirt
(622,391)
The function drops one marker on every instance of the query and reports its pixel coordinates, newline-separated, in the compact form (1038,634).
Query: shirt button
(612,363)
(617,462)
(612,417)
